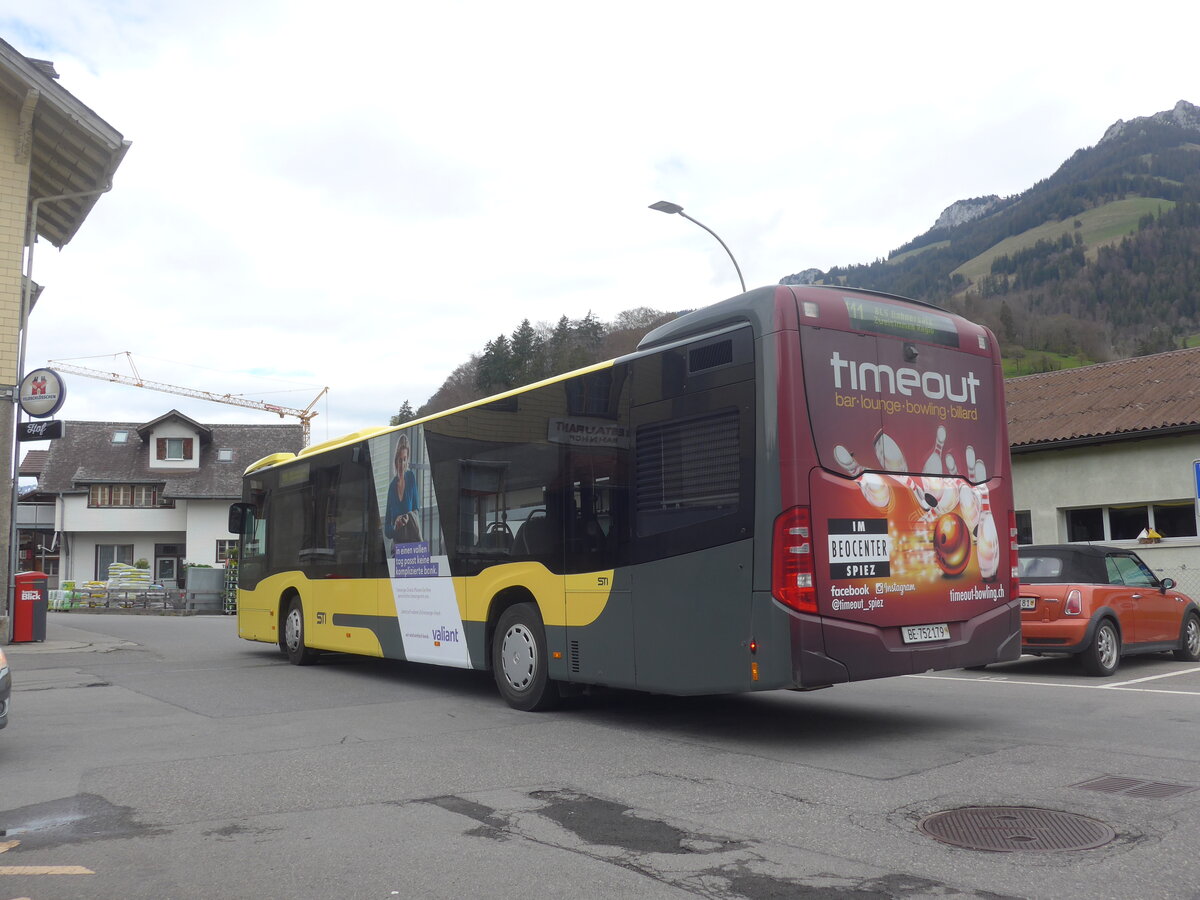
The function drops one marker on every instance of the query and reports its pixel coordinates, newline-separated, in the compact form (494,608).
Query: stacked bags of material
(124,577)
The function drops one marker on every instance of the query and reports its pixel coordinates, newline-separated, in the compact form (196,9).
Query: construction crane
(304,415)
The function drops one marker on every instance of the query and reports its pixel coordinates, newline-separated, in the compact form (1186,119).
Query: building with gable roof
(158,491)
(1106,452)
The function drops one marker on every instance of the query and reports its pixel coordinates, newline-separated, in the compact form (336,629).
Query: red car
(1101,603)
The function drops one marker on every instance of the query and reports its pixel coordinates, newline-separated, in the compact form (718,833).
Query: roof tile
(1120,398)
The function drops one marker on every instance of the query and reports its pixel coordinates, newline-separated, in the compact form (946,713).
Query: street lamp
(666,206)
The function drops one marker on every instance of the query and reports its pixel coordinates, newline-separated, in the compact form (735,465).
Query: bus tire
(519,661)
(291,641)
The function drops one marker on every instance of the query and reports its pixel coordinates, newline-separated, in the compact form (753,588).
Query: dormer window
(174,448)
(120,437)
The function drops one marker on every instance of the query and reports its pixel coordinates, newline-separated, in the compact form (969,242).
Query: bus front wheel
(292,639)
(519,660)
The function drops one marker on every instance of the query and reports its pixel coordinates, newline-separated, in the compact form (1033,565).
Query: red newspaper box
(30,602)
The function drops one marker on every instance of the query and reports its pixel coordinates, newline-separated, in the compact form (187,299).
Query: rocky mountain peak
(1184,115)
(966,211)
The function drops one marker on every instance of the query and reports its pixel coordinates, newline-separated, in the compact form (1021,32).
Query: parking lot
(151,757)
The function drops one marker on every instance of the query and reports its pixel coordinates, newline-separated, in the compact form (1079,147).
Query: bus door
(598,593)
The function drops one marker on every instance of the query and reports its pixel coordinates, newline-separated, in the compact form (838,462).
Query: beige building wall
(14,200)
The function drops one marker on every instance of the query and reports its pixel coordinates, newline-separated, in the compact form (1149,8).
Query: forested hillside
(533,352)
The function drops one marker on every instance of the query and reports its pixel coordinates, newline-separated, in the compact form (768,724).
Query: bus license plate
(1029,603)
(916,634)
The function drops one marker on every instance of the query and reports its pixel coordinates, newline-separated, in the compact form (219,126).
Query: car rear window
(1040,569)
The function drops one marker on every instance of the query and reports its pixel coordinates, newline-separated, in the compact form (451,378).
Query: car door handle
(1136,596)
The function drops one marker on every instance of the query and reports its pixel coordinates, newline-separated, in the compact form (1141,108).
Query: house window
(124,495)
(120,437)
(1169,518)
(225,455)
(107,554)
(1085,524)
(174,448)
(224,549)
(1125,523)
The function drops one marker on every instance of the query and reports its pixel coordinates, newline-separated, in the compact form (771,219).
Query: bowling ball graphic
(952,543)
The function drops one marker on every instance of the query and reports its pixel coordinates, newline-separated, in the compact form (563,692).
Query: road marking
(1155,677)
(38,870)
(1004,679)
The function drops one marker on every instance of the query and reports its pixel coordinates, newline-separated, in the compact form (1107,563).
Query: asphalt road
(151,757)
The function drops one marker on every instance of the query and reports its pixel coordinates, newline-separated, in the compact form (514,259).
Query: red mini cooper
(1101,603)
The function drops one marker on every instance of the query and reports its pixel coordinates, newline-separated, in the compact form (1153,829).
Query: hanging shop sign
(42,393)
(45,430)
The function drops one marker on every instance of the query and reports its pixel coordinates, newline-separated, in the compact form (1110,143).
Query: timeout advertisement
(426,606)
(905,530)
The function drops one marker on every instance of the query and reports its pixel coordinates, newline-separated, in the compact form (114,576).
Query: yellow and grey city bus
(793,488)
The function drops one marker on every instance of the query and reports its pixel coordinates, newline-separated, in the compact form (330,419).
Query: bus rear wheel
(292,639)
(519,660)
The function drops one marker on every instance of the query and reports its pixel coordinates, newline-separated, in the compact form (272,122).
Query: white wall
(1143,471)
(74,515)
(208,522)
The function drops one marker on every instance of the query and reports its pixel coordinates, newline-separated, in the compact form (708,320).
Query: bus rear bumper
(860,651)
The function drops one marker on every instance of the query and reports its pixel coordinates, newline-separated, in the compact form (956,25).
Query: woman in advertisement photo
(400,522)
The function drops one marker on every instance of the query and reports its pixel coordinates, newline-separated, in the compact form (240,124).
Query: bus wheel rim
(291,629)
(518,657)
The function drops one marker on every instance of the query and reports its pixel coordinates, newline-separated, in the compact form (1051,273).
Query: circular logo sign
(42,393)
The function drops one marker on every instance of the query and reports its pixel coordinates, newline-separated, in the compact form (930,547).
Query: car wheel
(292,639)
(519,660)
(1104,654)
(1189,645)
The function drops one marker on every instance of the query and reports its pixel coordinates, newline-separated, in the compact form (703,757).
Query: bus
(796,487)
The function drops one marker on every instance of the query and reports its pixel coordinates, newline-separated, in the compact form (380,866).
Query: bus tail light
(1074,604)
(1012,542)
(792,565)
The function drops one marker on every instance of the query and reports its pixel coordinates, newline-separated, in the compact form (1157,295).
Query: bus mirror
(237,516)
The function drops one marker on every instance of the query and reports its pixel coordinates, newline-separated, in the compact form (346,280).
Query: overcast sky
(359,195)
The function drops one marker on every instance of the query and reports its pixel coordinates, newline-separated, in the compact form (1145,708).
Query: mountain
(1095,262)
(1099,261)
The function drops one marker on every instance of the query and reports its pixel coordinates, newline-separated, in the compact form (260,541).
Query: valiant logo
(866,376)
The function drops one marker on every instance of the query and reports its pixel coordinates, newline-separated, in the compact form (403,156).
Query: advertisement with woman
(426,606)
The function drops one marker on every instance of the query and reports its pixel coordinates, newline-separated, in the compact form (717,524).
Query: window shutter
(187,448)
(162,448)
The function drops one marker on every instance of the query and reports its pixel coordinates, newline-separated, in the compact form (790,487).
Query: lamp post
(667,206)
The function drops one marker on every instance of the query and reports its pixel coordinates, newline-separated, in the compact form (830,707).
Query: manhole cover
(1012,828)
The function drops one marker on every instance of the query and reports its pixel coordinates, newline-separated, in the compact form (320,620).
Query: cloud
(362,196)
